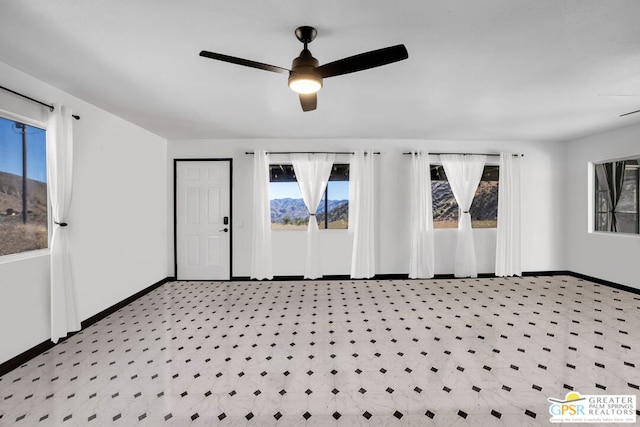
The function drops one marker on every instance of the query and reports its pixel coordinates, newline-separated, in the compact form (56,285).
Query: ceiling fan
(305,75)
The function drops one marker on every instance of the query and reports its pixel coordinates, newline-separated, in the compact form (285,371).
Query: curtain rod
(308,152)
(50,107)
(465,154)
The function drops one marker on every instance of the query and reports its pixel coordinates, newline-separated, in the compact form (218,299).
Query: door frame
(175,209)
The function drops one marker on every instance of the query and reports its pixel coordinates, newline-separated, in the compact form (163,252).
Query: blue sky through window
(339,190)
(11,150)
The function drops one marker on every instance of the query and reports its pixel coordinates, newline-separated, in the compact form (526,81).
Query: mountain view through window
(288,211)
(484,208)
(23,188)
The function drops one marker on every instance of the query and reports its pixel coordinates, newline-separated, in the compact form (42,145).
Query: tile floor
(330,353)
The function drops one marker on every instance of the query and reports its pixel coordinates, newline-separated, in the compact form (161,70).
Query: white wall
(608,256)
(543,205)
(116,221)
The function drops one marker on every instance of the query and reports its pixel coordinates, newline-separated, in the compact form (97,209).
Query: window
(23,188)
(484,208)
(288,211)
(616,196)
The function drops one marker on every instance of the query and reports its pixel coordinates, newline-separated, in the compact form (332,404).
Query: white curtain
(362,215)
(464,173)
(64,311)
(262,252)
(421,257)
(312,173)
(508,240)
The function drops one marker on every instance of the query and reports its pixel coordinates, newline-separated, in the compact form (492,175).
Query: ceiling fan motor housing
(303,73)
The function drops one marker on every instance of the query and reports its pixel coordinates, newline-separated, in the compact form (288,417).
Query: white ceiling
(527,70)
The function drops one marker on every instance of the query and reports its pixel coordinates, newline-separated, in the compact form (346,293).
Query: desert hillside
(484,208)
(15,236)
(295,208)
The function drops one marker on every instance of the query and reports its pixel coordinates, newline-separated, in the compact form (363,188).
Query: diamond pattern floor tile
(332,353)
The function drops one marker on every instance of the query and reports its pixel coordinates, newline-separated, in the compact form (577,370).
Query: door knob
(226,230)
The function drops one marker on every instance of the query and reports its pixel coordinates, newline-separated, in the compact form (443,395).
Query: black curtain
(614,172)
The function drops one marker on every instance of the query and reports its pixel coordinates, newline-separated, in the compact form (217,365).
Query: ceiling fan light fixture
(305,83)
(303,78)
(306,74)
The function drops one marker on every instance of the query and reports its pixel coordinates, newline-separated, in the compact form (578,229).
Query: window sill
(24,255)
(304,230)
(473,229)
(612,234)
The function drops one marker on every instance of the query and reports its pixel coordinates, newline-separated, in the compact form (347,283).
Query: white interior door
(203,222)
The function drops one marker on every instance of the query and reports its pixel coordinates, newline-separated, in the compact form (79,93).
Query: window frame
(593,208)
(490,161)
(324,200)
(34,253)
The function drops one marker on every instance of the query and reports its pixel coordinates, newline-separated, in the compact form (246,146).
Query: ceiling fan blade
(245,62)
(363,61)
(309,101)
(631,112)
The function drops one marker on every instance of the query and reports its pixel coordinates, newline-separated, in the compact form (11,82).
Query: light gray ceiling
(532,70)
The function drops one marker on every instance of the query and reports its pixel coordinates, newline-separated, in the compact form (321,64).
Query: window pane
(337,205)
(609,177)
(629,195)
(23,215)
(288,211)
(445,207)
(602,201)
(602,222)
(484,208)
(627,223)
